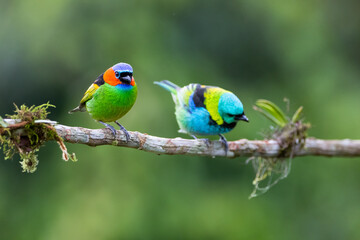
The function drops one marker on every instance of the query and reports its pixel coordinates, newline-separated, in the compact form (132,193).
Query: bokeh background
(307,51)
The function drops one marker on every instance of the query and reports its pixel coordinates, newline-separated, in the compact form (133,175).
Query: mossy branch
(179,146)
(28,129)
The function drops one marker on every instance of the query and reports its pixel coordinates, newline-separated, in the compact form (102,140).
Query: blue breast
(198,122)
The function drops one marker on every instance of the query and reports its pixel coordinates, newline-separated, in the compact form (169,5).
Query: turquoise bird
(205,110)
(110,97)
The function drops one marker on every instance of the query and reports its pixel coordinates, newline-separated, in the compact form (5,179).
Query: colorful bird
(111,96)
(205,110)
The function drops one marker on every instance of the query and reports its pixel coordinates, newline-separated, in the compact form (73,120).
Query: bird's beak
(242,118)
(126,79)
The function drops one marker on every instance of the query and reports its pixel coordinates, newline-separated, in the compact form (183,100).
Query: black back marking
(198,96)
(100,80)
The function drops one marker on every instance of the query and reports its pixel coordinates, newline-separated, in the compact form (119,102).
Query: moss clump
(25,136)
(30,114)
(290,133)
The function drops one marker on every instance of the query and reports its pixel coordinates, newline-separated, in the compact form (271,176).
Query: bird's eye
(117,74)
(231,115)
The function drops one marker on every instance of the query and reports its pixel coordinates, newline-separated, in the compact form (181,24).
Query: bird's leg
(109,127)
(223,140)
(205,140)
(127,135)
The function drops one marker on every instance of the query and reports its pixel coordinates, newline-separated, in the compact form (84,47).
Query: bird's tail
(169,86)
(77,109)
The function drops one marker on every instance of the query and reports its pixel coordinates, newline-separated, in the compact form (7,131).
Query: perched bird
(111,96)
(205,110)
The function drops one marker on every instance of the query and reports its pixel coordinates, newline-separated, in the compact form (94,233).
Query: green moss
(26,136)
(31,113)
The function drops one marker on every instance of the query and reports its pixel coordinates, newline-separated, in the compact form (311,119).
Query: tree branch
(180,146)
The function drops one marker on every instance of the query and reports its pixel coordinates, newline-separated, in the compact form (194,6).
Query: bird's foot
(127,135)
(109,127)
(205,140)
(223,140)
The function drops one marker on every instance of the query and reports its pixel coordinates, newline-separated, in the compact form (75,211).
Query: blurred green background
(307,51)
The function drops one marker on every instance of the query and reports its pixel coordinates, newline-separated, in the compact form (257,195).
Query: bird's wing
(206,97)
(92,89)
(185,96)
(201,96)
(89,93)
(197,98)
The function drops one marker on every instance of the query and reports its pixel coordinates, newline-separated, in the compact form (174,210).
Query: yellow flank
(89,93)
(211,102)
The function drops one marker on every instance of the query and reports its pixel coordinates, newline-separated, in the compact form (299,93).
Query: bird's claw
(108,126)
(127,135)
(226,145)
(113,131)
(205,140)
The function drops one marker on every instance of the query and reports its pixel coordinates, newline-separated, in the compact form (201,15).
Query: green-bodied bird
(111,96)
(205,110)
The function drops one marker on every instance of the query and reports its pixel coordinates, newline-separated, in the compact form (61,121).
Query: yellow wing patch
(89,93)
(212,97)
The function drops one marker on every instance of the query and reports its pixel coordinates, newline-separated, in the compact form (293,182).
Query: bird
(205,110)
(110,97)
